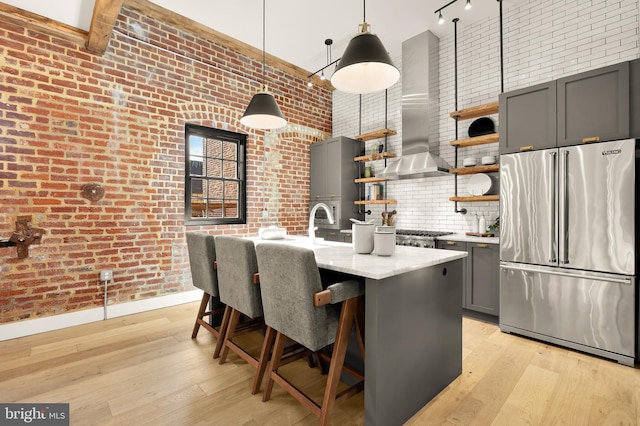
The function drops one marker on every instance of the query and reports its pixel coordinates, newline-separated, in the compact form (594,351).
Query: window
(215,176)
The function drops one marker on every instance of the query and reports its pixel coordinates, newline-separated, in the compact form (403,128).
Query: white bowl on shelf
(488,160)
(469,162)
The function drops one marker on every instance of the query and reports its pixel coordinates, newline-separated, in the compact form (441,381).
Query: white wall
(543,40)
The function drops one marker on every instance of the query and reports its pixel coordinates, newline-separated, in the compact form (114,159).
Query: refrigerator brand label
(612,152)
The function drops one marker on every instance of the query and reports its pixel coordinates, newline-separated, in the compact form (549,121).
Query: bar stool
(202,255)
(297,307)
(238,281)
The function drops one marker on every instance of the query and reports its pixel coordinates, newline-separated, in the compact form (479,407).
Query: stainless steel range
(418,238)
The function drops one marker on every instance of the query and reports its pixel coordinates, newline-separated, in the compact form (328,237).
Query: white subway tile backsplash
(543,40)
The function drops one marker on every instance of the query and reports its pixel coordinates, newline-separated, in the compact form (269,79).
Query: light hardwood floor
(145,369)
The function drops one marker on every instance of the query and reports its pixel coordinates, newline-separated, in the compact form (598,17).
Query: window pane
(198,207)
(195,166)
(197,188)
(196,145)
(215,189)
(231,190)
(214,148)
(230,151)
(231,208)
(214,168)
(215,208)
(230,170)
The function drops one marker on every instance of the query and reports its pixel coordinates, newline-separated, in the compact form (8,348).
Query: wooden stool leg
(231,331)
(265,352)
(337,359)
(223,331)
(359,322)
(275,363)
(201,310)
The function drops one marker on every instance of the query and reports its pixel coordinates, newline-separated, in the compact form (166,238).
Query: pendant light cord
(264,12)
(364,10)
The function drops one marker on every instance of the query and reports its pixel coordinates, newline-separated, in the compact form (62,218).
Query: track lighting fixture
(467,6)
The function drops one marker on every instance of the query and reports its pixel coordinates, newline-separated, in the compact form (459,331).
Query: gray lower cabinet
(346,237)
(594,105)
(328,234)
(528,118)
(480,275)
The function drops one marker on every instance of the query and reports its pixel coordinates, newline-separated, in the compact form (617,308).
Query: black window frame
(225,136)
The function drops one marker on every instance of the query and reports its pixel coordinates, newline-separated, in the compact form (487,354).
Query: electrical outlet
(106,275)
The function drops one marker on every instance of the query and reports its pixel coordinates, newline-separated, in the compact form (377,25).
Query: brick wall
(68,118)
(543,40)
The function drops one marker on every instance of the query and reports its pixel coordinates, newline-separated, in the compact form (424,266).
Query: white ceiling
(296,29)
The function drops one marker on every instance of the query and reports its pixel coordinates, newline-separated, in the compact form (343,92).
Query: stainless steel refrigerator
(568,247)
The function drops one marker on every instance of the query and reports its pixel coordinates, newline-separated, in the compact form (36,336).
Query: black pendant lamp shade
(365,66)
(263,112)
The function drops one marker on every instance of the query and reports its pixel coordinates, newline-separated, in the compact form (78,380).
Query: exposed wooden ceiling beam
(148,8)
(40,23)
(105,13)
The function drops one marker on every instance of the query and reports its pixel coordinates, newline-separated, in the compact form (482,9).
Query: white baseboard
(18,329)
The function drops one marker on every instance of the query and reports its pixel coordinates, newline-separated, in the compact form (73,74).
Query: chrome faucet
(312,216)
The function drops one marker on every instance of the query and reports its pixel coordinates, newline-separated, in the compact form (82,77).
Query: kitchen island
(413,323)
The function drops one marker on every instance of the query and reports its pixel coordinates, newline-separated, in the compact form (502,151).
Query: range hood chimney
(420,111)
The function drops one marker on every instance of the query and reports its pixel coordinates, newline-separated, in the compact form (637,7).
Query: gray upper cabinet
(528,118)
(634,92)
(594,105)
(318,153)
(333,169)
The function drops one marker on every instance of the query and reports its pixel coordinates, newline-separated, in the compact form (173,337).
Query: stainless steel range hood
(420,111)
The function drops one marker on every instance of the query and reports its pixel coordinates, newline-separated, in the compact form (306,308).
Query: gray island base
(413,323)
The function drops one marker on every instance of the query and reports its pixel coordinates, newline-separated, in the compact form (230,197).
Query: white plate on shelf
(469,162)
(479,184)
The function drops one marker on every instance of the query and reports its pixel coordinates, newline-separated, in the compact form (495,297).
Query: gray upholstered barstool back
(289,277)
(202,254)
(236,265)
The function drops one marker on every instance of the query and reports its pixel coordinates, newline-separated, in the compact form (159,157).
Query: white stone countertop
(340,257)
(469,239)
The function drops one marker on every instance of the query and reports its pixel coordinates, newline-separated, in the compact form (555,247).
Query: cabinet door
(460,246)
(333,164)
(594,104)
(634,93)
(483,282)
(318,166)
(528,118)
(347,237)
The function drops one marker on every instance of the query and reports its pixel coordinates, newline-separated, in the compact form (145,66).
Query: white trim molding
(19,329)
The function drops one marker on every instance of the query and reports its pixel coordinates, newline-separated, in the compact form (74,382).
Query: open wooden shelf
(476,198)
(375,135)
(369,180)
(362,202)
(491,168)
(376,156)
(476,111)
(478,140)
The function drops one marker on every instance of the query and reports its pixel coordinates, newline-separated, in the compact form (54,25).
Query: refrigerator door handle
(567,273)
(562,213)
(552,209)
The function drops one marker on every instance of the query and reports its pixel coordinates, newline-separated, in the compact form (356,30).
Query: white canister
(385,240)
(482,225)
(362,237)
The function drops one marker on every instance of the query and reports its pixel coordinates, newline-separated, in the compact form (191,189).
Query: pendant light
(365,66)
(263,111)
